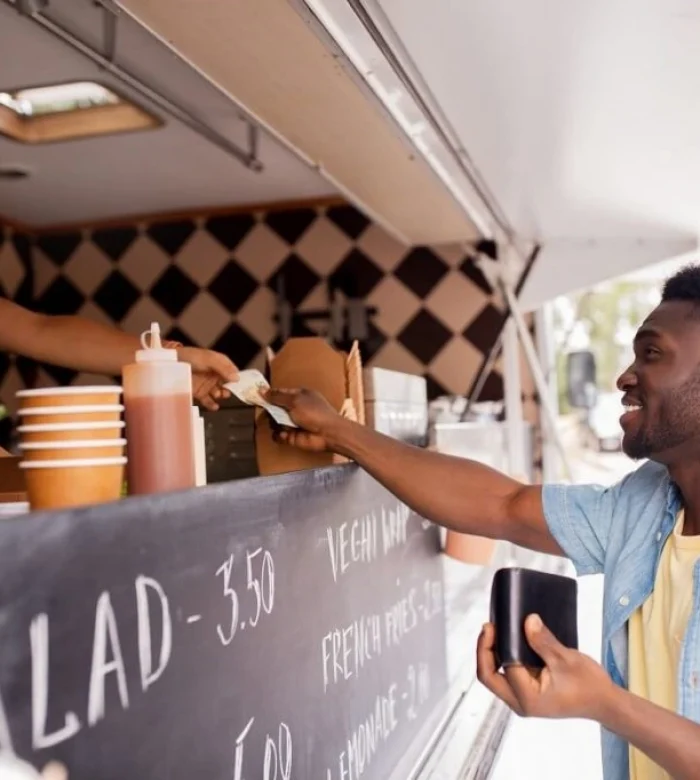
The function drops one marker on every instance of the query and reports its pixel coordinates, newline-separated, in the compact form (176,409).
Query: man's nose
(626,380)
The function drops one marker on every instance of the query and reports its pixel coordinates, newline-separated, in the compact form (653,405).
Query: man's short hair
(683,285)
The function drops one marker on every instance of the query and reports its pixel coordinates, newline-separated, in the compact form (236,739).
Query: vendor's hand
(311,412)
(571,685)
(210,370)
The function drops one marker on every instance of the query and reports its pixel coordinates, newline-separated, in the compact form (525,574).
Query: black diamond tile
(470,269)
(114,241)
(276,345)
(24,294)
(421,270)
(174,290)
(61,297)
(292,224)
(232,286)
(59,246)
(300,328)
(63,376)
(231,229)
(238,344)
(356,275)
(351,221)
(435,389)
(175,334)
(171,236)
(372,344)
(23,248)
(5,364)
(297,278)
(28,369)
(485,328)
(493,388)
(116,295)
(424,336)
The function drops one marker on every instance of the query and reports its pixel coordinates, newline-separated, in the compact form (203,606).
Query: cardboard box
(12,485)
(313,364)
(396,404)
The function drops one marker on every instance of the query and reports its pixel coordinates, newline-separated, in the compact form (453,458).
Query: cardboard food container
(13,487)
(60,432)
(77,395)
(61,484)
(313,364)
(55,415)
(477,550)
(69,450)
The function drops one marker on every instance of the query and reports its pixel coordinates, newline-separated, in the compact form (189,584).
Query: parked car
(601,427)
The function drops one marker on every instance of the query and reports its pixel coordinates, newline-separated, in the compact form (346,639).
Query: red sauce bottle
(158,412)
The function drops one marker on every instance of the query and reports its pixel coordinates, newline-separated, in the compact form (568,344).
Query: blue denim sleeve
(580,518)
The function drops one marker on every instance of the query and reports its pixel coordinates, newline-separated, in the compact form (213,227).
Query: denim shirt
(620,531)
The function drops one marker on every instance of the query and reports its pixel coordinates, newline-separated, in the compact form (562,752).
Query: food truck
(380,197)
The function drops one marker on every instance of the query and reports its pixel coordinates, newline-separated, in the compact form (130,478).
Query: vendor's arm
(572,685)
(72,342)
(460,494)
(85,345)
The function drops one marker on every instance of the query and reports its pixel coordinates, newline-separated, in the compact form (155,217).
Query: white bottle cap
(153,348)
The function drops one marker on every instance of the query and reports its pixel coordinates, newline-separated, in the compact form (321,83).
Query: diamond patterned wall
(212,281)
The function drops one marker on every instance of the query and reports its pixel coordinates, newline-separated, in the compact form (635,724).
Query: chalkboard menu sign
(276,628)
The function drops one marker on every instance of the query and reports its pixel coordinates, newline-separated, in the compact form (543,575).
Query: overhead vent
(64,112)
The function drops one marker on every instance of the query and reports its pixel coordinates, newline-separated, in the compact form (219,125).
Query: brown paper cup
(58,484)
(73,450)
(469,549)
(52,415)
(59,432)
(69,396)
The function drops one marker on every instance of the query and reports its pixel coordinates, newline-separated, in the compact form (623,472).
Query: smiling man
(643,534)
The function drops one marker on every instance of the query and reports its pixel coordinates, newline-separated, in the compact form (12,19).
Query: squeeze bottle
(158,413)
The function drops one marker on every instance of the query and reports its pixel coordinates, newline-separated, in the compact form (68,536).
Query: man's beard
(677,421)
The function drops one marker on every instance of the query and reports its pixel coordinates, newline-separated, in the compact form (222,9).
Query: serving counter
(300,626)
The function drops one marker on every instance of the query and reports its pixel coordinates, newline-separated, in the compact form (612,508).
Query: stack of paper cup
(72,444)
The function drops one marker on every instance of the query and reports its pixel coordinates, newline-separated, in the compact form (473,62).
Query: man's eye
(651,352)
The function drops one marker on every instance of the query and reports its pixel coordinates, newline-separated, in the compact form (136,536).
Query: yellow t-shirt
(656,632)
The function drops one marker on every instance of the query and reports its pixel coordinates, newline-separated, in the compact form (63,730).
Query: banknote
(250,389)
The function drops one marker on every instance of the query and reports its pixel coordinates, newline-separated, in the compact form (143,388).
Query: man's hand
(312,413)
(210,370)
(571,685)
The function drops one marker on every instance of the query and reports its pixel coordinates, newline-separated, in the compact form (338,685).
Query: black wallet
(517,593)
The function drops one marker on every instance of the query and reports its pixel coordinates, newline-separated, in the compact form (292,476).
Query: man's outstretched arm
(460,494)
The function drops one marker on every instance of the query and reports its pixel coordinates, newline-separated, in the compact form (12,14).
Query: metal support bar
(489,361)
(512,385)
(547,355)
(253,140)
(537,375)
(245,156)
(110,19)
(31,7)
